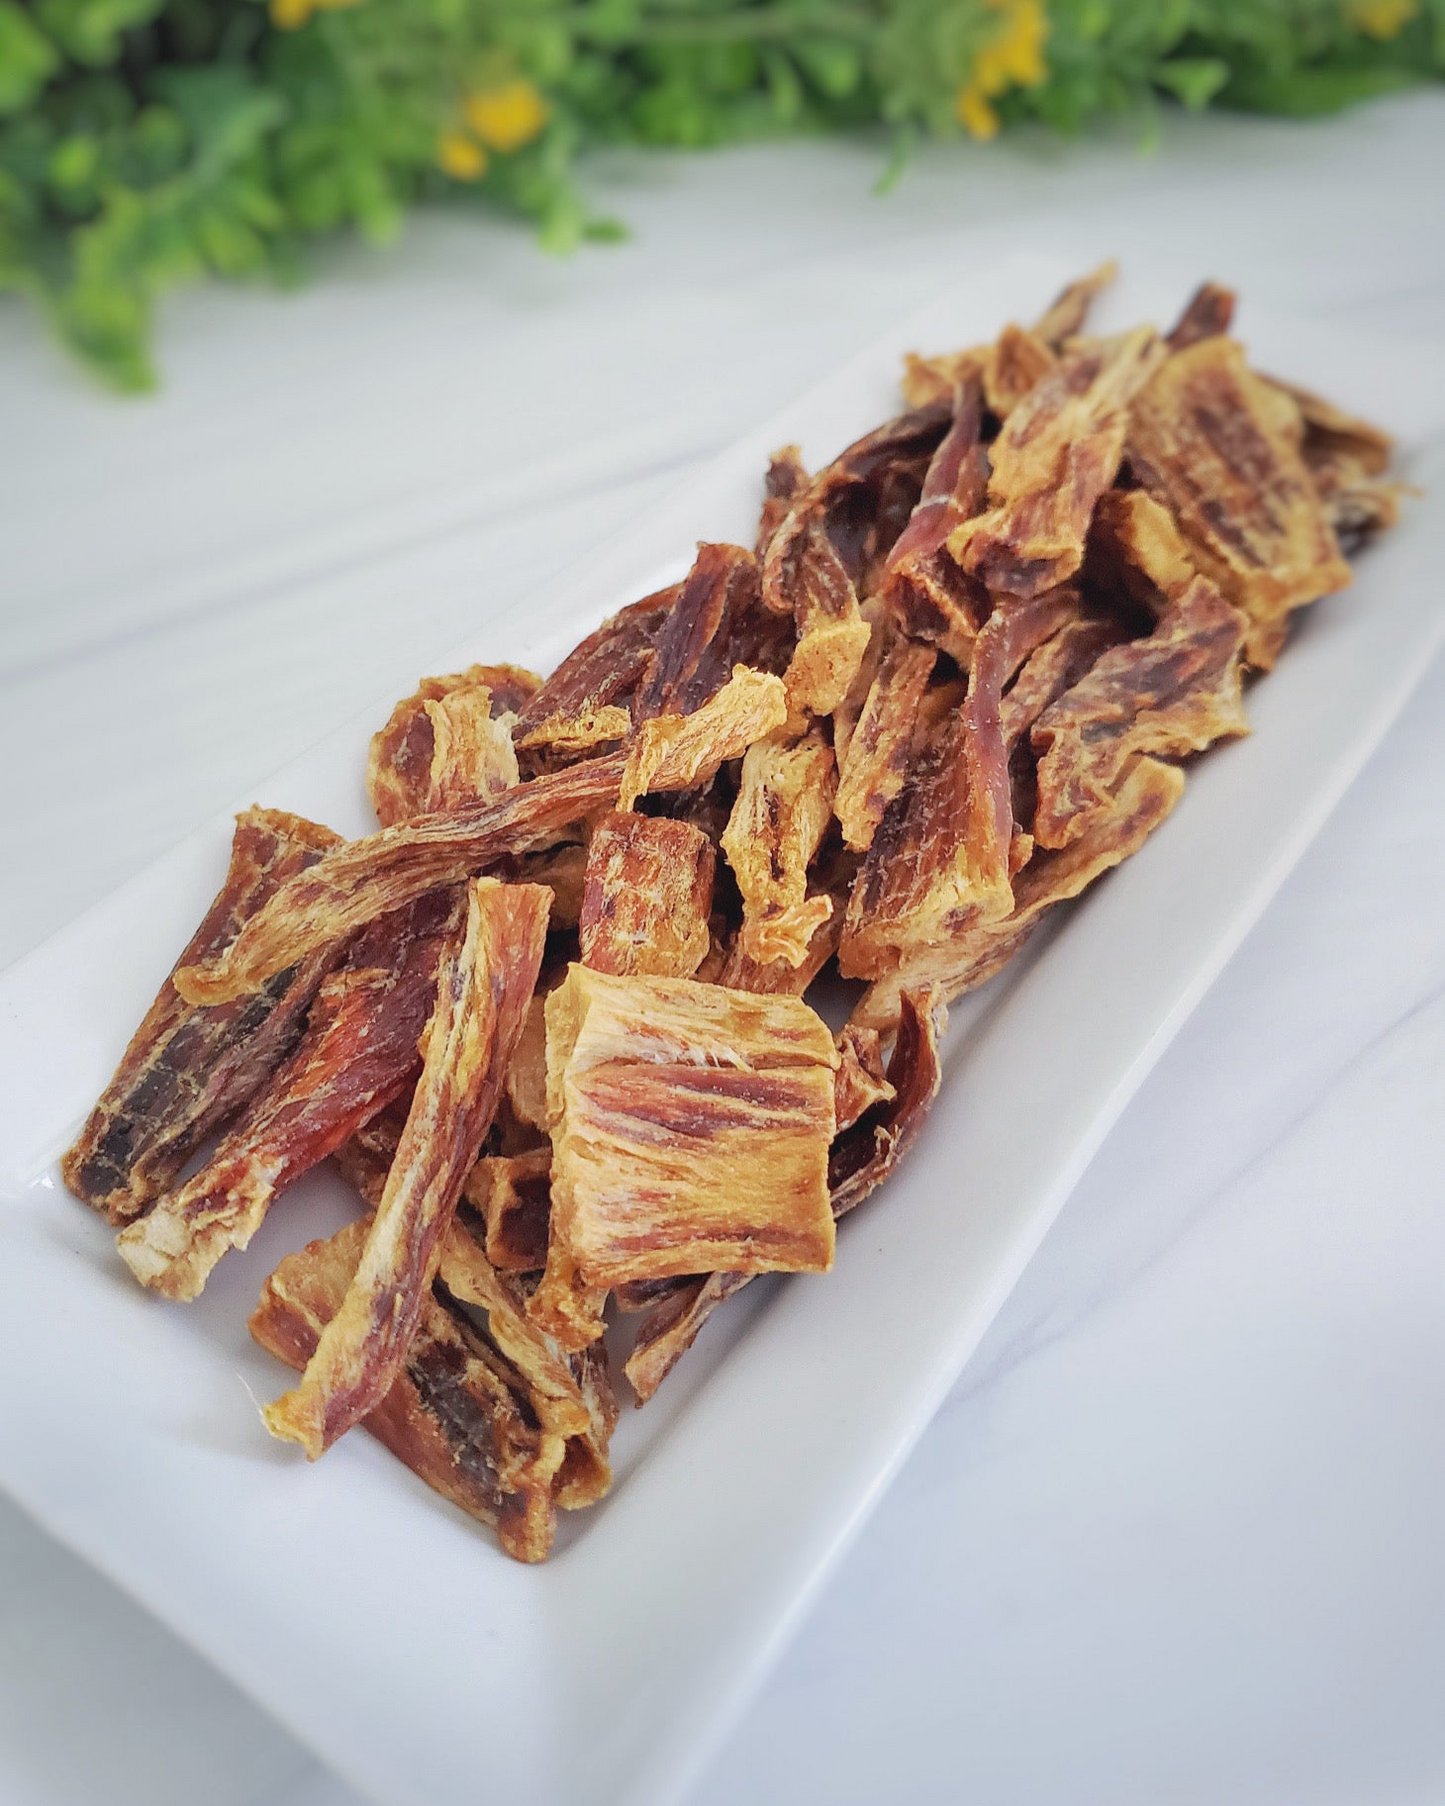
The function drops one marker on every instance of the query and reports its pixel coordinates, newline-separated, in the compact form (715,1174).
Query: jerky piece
(513,1195)
(472,754)
(608,667)
(647,897)
(362,879)
(1209,440)
(860,1081)
(571,1394)
(671,1327)
(563,739)
(739,971)
(399,769)
(1065,315)
(484,981)
(1058,452)
(457,1412)
(923,587)
(1329,430)
(971,950)
(188,1072)
(864,1156)
(943,844)
(827,541)
(358,1053)
(1176,692)
(1135,549)
(1017,360)
(1357,505)
(683,752)
(527,1069)
(777,824)
(787,478)
(1210,312)
(699,642)
(690,1128)
(874,766)
(1054,667)
(860,1160)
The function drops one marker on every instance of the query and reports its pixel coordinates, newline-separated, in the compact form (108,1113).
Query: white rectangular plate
(375,1621)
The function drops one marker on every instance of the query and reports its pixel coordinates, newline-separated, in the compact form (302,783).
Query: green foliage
(144,142)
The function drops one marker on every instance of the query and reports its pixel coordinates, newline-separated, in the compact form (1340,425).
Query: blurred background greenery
(143,142)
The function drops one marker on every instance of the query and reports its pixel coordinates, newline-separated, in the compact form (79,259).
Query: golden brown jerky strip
(401,768)
(513,1195)
(683,752)
(1017,360)
(709,630)
(358,1052)
(1058,452)
(1065,315)
(671,1327)
(881,744)
(1176,692)
(457,1413)
(1218,447)
(860,1081)
(1208,313)
(783,807)
(188,1071)
(786,479)
(607,668)
(1137,551)
(483,984)
(646,897)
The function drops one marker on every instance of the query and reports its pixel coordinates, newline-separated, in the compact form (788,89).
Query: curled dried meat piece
(1218,447)
(403,769)
(358,1052)
(647,896)
(1208,313)
(189,1071)
(1065,315)
(1057,453)
(485,978)
(787,478)
(879,748)
(607,668)
(923,586)
(690,1128)
(944,842)
(1137,551)
(457,1413)
(527,1069)
(864,1156)
(671,1327)
(860,1081)
(563,739)
(513,1195)
(1017,360)
(783,807)
(708,631)
(683,752)
(1176,692)
(1330,431)
(972,950)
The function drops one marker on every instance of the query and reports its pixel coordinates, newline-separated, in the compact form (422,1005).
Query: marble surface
(1175,1535)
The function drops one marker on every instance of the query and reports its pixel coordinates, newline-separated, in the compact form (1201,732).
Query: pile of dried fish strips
(552,1020)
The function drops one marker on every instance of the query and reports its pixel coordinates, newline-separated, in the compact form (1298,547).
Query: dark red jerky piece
(863,1158)
(702,638)
(1208,313)
(189,1071)
(785,481)
(929,595)
(606,668)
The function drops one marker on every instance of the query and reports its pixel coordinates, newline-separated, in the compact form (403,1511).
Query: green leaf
(1193,79)
(28,59)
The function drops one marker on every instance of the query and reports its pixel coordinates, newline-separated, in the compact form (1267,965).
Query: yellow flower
(461,157)
(509,116)
(1014,59)
(291,15)
(1382,18)
(975,114)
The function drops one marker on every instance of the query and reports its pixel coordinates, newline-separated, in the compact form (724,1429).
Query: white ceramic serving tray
(378,1623)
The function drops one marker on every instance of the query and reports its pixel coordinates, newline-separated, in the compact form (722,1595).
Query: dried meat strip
(1208,313)
(1136,550)
(690,1128)
(709,630)
(873,768)
(684,752)
(671,1327)
(1066,314)
(607,668)
(1017,361)
(457,1413)
(863,1157)
(1218,447)
(188,1071)
(408,771)
(486,976)
(512,1193)
(359,1052)
(787,478)
(860,1081)
(784,804)
(923,586)
(647,896)
(944,842)
(1057,453)
(1176,692)
(971,951)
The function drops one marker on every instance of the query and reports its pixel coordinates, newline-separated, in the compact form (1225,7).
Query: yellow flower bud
(974,112)
(509,116)
(290,15)
(1382,18)
(461,157)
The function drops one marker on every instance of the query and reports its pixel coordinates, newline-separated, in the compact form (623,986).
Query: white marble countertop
(1175,1536)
